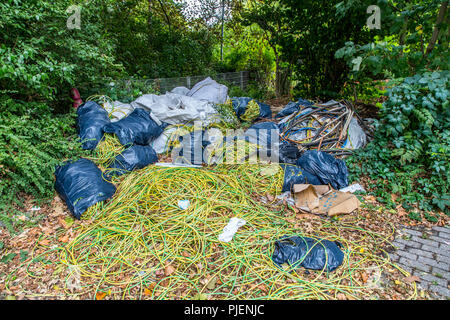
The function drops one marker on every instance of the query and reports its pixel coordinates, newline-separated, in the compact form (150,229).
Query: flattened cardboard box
(311,198)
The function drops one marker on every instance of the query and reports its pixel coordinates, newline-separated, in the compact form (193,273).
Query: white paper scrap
(230,229)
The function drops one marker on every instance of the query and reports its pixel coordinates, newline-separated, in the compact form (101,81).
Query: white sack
(118,110)
(210,91)
(177,109)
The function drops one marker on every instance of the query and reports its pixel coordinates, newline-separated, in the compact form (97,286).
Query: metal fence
(163,85)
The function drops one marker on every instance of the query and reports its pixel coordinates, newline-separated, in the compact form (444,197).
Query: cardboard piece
(324,200)
(306,197)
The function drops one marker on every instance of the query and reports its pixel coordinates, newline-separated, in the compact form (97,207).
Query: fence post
(188,82)
(242,80)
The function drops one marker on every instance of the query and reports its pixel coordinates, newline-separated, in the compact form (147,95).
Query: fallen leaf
(364,277)
(169,270)
(412,279)
(262,287)
(64,239)
(200,296)
(185,254)
(100,295)
(307,216)
(212,283)
(147,292)
(44,242)
(341,296)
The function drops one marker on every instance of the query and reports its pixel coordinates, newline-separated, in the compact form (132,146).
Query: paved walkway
(426,254)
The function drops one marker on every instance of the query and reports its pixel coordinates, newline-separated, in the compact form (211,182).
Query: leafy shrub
(32,143)
(410,155)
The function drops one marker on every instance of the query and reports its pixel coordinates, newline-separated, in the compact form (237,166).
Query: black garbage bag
(292,107)
(191,149)
(137,128)
(133,158)
(326,169)
(292,175)
(240,106)
(289,153)
(91,120)
(261,134)
(81,185)
(308,253)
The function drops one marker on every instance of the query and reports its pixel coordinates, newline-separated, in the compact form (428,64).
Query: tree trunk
(437,28)
(150,23)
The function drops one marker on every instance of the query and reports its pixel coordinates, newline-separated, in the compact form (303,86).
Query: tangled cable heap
(140,244)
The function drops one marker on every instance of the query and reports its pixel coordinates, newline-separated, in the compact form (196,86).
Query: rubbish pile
(181,213)
(330,127)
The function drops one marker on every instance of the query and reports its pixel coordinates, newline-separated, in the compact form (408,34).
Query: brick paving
(425,253)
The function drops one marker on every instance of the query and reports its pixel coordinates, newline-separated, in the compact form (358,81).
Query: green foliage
(304,36)
(413,39)
(121,90)
(32,143)
(154,41)
(40,58)
(410,154)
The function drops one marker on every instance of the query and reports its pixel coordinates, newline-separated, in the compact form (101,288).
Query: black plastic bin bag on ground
(91,120)
(81,185)
(137,128)
(292,107)
(133,158)
(240,106)
(308,253)
(325,168)
(191,148)
(292,175)
(289,153)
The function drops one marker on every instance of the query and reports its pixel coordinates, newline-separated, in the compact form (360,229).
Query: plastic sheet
(133,158)
(321,168)
(308,253)
(357,138)
(81,185)
(137,128)
(191,149)
(91,120)
(117,110)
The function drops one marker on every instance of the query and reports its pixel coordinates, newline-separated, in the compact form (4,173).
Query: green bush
(32,142)
(410,154)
